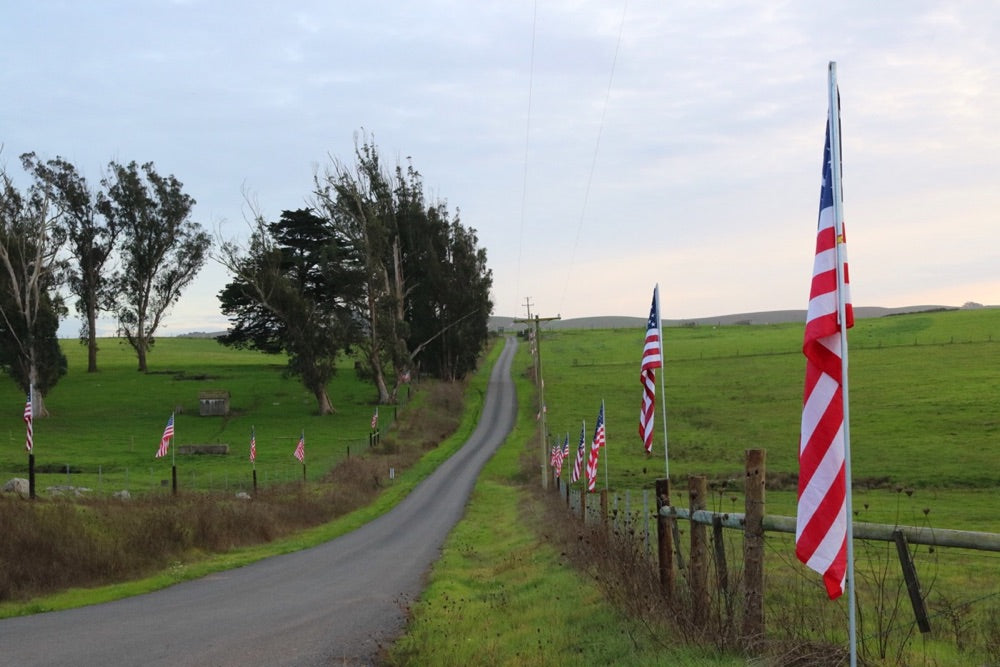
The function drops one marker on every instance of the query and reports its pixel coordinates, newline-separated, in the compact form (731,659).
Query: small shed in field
(213,403)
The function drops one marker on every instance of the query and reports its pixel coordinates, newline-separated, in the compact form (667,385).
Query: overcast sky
(598,147)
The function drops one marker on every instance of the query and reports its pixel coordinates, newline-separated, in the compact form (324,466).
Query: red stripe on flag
(821,522)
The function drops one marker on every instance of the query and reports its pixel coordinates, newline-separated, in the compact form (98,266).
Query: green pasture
(924,399)
(106,426)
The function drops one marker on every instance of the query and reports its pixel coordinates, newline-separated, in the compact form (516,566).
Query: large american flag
(595,450)
(581,450)
(300,449)
(168,433)
(651,359)
(821,525)
(253,445)
(29,440)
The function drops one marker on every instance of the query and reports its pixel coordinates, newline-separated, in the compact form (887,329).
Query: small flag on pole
(375,419)
(595,450)
(168,434)
(581,450)
(253,445)
(300,449)
(29,441)
(651,359)
(822,519)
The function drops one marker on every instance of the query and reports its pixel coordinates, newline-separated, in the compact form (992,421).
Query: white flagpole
(605,413)
(838,222)
(663,366)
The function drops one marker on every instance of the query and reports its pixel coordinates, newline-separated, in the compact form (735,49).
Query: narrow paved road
(334,604)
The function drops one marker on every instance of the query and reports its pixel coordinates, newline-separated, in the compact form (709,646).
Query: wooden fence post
(665,539)
(912,582)
(753,548)
(698,567)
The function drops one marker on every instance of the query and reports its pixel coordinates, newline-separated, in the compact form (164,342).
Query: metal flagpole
(604,412)
(663,366)
(838,222)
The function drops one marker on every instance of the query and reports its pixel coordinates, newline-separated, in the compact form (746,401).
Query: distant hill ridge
(498,322)
(763,317)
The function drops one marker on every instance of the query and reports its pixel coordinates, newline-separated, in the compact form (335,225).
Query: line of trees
(129,248)
(370,265)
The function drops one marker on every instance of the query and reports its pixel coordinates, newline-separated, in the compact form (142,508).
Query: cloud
(693,161)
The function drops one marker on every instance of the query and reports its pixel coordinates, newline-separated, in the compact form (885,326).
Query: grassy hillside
(106,426)
(924,391)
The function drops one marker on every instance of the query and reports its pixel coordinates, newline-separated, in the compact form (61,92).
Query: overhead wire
(593,161)
(527,143)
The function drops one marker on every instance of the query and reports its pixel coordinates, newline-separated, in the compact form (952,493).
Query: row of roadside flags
(823,535)
(168,434)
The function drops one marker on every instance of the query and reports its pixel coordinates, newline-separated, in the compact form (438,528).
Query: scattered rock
(17,485)
(75,491)
(243,495)
(122,495)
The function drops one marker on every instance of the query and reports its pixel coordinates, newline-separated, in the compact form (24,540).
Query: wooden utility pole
(541,386)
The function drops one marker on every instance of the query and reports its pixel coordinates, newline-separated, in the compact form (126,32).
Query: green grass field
(924,399)
(106,426)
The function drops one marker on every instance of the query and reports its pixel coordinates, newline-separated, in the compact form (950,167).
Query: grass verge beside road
(501,594)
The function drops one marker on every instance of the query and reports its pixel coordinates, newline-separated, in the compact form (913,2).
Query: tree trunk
(91,339)
(376,351)
(140,351)
(323,402)
(38,408)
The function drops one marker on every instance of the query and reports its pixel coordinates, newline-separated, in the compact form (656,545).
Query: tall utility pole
(540,383)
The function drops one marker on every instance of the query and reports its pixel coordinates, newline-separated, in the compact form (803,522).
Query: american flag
(651,359)
(253,445)
(561,454)
(375,419)
(595,450)
(29,441)
(168,433)
(580,451)
(300,449)
(821,524)
(554,455)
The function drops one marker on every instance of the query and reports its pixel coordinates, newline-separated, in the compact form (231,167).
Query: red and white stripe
(168,434)
(300,449)
(651,359)
(600,439)
(580,451)
(821,525)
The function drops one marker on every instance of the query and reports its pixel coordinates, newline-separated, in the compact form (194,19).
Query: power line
(527,141)
(593,161)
